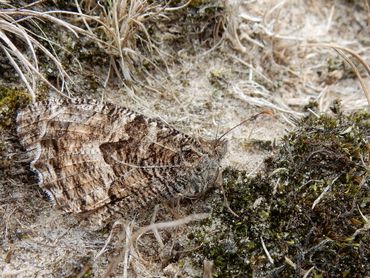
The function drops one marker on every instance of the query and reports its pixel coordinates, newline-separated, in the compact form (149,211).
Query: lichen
(309,207)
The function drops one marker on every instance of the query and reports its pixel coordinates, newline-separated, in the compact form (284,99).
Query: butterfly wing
(63,139)
(88,154)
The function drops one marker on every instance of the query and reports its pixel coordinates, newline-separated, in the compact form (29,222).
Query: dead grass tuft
(128,241)
(23,47)
(118,27)
(279,55)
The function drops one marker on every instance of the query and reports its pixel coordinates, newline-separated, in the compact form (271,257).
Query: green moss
(305,206)
(76,267)
(335,63)
(181,264)
(218,79)
(22,235)
(262,145)
(10,101)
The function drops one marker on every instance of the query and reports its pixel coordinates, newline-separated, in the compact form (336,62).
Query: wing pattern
(88,154)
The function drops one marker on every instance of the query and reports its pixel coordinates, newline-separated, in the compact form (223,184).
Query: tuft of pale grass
(279,56)
(118,28)
(14,28)
(128,240)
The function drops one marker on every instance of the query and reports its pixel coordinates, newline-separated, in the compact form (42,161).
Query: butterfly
(90,154)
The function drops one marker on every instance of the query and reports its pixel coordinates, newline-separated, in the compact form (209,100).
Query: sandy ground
(266,61)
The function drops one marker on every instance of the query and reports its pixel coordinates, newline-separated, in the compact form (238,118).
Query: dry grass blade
(180,7)
(124,252)
(154,227)
(306,275)
(169,224)
(108,240)
(27,67)
(31,67)
(11,50)
(83,16)
(367,6)
(30,88)
(362,82)
(127,239)
(155,231)
(121,23)
(266,251)
(340,50)
(48,15)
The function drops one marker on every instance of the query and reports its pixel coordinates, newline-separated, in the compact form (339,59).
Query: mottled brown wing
(150,162)
(88,154)
(63,139)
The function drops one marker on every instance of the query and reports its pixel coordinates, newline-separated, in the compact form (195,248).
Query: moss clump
(10,101)
(309,207)
(218,79)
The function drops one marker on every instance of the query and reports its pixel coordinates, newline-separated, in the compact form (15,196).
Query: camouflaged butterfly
(89,155)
